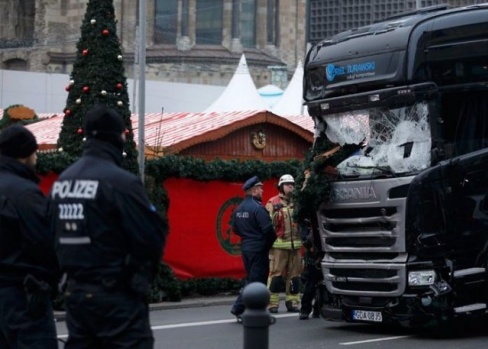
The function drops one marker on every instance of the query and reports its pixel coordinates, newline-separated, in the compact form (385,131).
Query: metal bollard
(256,318)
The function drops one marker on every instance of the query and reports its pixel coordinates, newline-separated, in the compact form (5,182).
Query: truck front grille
(372,229)
(360,279)
(364,238)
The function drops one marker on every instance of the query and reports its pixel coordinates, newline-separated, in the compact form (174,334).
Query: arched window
(15,64)
(248,23)
(165,21)
(209,22)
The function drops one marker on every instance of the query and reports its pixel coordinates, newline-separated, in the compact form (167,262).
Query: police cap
(251,182)
(101,120)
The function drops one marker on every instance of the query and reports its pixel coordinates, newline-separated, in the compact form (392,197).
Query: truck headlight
(421,278)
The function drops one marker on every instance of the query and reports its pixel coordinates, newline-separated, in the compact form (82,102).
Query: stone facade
(41,36)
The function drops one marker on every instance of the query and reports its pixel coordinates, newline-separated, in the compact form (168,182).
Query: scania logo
(354,193)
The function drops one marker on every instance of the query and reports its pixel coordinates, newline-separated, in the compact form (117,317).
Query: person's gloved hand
(37,294)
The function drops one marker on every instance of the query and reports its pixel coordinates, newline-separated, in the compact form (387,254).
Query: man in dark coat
(312,274)
(110,241)
(28,264)
(251,221)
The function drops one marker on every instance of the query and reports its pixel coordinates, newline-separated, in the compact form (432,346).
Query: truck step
(470,307)
(331,313)
(469,271)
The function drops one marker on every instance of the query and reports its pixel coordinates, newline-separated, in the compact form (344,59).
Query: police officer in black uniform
(312,274)
(110,241)
(251,221)
(28,263)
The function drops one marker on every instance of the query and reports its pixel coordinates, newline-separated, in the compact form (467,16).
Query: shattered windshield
(392,140)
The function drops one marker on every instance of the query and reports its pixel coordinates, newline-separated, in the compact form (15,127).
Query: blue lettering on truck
(351,71)
(332,71)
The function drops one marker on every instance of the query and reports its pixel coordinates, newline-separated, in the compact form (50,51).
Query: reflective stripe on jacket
(281,212)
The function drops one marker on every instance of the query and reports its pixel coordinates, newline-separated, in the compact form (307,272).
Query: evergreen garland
(321,171)
(174,166)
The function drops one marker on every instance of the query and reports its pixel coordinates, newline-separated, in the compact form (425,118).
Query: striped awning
(169,129)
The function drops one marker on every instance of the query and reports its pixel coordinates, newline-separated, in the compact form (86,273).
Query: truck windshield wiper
(383,169)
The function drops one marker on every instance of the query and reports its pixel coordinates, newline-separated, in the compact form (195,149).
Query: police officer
(252,223)
(28,264)
(109,241)
(285,256)
(312,276)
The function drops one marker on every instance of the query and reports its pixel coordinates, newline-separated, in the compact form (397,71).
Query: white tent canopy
(291,103)
(241,93)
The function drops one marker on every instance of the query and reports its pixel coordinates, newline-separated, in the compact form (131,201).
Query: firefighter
(285,255)
(109,239)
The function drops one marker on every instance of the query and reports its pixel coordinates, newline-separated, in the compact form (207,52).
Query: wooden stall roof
(174,132)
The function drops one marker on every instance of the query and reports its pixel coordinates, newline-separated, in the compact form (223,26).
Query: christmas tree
(98,77)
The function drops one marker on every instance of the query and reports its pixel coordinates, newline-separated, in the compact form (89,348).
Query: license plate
(365,315)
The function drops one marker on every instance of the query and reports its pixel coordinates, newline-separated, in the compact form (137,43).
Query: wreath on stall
(17,113)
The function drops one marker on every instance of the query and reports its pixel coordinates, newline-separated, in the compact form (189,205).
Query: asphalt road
(212,327)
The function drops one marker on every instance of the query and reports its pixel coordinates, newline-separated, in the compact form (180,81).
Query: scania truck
(404,227)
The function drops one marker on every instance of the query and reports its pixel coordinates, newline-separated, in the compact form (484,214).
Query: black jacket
(104,223)
(26,243)
(251,221)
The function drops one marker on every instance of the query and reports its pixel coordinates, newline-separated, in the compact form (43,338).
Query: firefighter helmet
(286,179)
